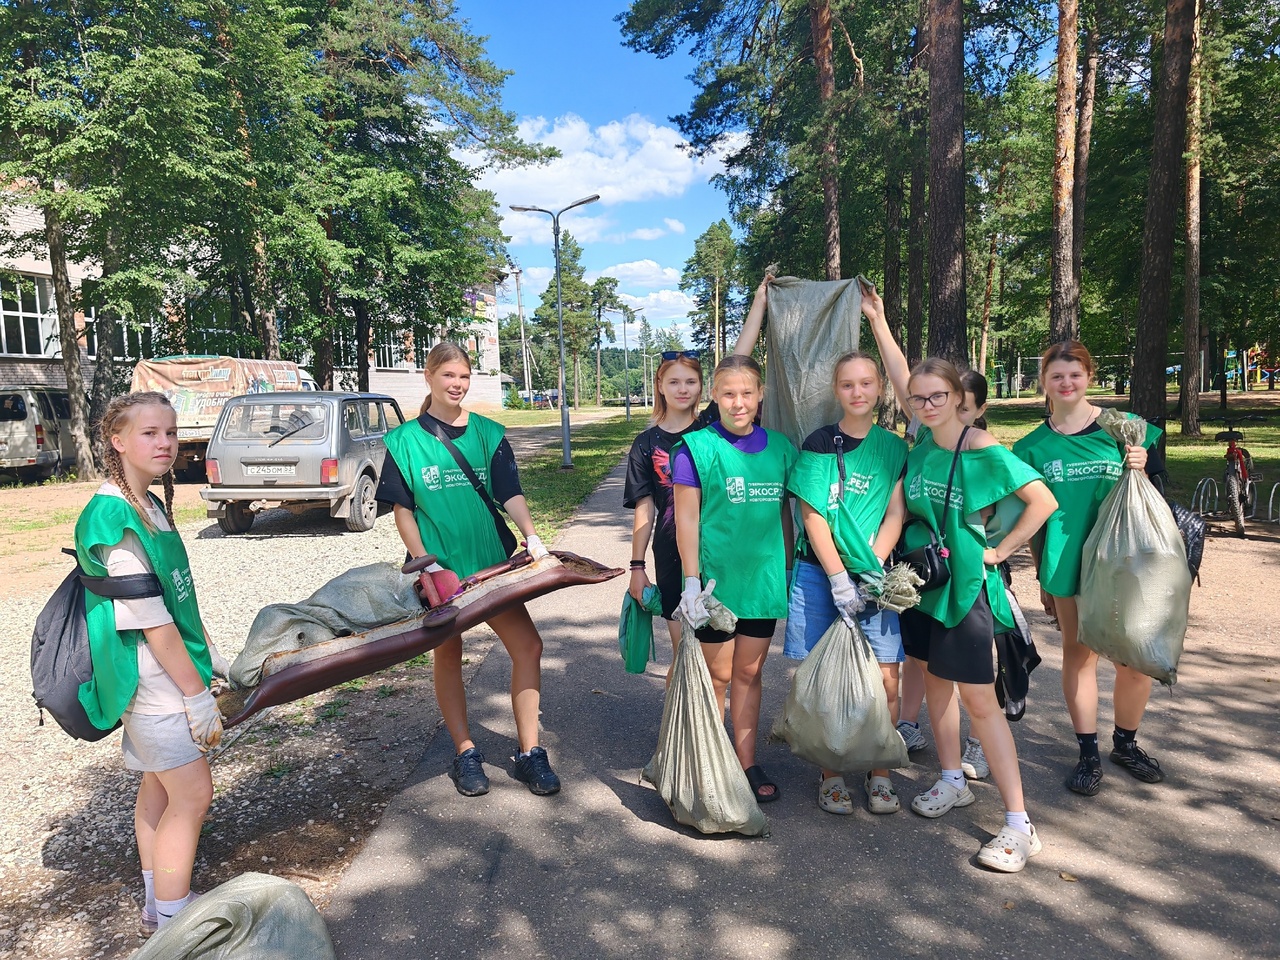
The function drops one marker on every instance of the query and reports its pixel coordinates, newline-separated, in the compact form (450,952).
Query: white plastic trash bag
(837,714)
(1135,587)
(694,767)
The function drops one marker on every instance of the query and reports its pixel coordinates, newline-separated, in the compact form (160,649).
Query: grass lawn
(1189,458)
(541,418)
(596,448)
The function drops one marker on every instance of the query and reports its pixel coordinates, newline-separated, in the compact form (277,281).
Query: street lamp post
(524,350)
(555,230)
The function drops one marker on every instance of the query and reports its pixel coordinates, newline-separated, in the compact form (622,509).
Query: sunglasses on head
(673,354)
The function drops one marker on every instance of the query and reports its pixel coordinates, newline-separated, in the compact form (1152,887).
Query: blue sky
(576,87)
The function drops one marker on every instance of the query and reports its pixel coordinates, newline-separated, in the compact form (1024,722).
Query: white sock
(166,909)
(149,900)
(955,778)
(1018,820)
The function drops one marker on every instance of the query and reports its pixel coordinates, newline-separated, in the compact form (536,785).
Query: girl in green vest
(1082,463)
(438,511)
(849,484)
(677,390)
(733,528)
(151,657)
(953,629)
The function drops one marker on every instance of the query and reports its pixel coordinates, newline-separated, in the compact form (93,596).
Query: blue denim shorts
(811,613)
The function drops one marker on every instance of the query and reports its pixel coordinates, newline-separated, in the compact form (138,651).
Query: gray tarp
(253,917)
(811,323)
(351,602)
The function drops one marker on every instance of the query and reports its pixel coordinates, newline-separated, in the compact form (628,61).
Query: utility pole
(524,350)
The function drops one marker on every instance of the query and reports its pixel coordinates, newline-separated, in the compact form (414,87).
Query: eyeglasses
(932,400)
(673,354)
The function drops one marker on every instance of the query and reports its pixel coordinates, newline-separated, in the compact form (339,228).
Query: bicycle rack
(1200,499)
(1273,507)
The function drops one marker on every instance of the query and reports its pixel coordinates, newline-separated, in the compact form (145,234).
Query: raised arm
(895,362)
(751,326)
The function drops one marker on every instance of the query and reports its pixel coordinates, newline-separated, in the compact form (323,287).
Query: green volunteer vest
(741,546)
(115,652)
(1080,471)
(454,522)
(983,478)
(871,472)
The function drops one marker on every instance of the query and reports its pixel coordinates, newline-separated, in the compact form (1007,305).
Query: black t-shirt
(1155,462)
(504,478)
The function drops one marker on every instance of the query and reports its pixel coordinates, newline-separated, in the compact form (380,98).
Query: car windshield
(268,422)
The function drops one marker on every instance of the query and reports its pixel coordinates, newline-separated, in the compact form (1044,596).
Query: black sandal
(759,780)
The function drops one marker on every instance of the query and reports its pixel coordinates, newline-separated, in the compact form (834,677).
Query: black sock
(1088,746)
(1122,736)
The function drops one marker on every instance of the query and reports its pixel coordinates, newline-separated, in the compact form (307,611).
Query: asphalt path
(1187,868)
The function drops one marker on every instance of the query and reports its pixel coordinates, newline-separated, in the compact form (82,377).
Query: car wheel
(238,518)
(364,507)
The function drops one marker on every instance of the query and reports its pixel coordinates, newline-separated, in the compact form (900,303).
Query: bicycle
(1240,479)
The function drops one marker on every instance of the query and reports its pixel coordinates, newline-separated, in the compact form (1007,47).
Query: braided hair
(116,420)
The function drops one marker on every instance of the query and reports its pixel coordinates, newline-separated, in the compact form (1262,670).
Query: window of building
(130,341)
(28,324)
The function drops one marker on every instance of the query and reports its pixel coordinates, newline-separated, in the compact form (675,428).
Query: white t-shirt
(157,693)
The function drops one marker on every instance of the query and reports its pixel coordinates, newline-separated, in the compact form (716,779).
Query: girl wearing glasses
(677,391)
(1082,464)
(953,475)
(733,528)
(849,484)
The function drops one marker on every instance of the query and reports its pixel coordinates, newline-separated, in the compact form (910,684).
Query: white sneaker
(974,762)
(912,736)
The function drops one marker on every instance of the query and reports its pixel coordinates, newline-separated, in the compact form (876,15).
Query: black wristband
(637,564)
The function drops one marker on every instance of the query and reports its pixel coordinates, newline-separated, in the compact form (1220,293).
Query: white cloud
(661,305)
(647,233)
(639,273)
(675,226)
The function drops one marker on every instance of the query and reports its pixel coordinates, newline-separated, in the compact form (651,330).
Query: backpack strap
(130,586)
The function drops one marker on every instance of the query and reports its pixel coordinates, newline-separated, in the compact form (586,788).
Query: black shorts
(964,653)
(760,629)
(669,579)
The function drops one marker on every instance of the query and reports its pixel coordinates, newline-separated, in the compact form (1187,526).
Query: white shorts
(157,742)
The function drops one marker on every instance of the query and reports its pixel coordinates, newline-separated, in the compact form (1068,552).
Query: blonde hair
(850,357)
(943,370)
(117,419)
(740,364)
(438,356)
(659,401)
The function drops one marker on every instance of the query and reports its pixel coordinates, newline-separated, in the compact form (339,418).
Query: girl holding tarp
(677,390)
(439,510)
(953,475)
(732,530)
(848,480)
(1082,463)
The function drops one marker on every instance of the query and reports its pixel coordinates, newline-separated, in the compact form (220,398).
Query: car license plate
(268,470)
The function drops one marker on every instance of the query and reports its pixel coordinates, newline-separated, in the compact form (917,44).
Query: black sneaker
(535,770)
(1086,778)
(1134,759)
(467,773)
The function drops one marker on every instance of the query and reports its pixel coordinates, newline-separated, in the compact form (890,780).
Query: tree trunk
(1168,142)
(829,162)
(918,211)
(1064,298)
(107,319)
(892,271)
(364,342)
(1084,134)
(577,379)
(598,399)
(947,333)
(69,339)
(989,288)
(1190,379)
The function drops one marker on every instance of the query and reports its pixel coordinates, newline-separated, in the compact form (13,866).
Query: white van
(35,432)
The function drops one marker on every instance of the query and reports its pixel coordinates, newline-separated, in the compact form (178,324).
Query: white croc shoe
(881,797)
(941,798)
(834,796)
(1009,850)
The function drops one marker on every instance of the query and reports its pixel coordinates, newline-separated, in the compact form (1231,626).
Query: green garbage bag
(836,714)
(635,629)
(694,767)
(1135,586)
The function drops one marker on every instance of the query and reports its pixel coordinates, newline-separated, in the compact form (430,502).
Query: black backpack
(1191,526)
(60,659)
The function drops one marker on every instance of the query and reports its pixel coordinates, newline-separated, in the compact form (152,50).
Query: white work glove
(204,720)
(534,545)
(434,568)
(848,597)
(220,666)
(693,602)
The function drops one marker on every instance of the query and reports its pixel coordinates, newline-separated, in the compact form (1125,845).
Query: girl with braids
(733,531)
(438,511)
(953,477)
(677,389)
(1082,463)
(849,484)
(152,659)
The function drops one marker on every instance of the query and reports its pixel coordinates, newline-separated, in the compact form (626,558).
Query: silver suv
(299,450)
